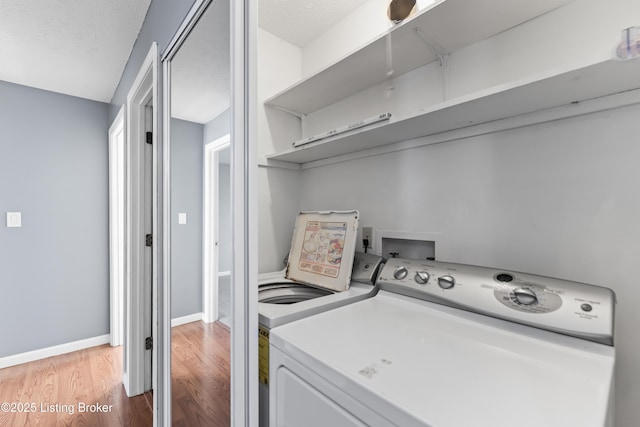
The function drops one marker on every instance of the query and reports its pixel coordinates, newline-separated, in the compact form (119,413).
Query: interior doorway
(117,194)
(217,232)
(131,216)
(141,219)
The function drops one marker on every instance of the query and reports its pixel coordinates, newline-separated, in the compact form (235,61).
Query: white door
(215,271)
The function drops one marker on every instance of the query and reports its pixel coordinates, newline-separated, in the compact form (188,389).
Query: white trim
(195,317)
(162,412)
(160,366)
(224,273)
(117,222)
(244,214)
(138,314)
(55,350)
(211,230)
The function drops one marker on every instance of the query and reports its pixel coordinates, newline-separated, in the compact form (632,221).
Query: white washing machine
(450,345)
(282,301)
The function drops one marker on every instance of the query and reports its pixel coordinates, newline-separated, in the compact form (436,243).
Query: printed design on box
(323,247)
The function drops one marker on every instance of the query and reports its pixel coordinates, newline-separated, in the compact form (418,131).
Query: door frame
(211,227)
(244,214)
(139,363)
(117,226)
(244,167)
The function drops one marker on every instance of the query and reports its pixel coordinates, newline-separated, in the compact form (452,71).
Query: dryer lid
(323,248)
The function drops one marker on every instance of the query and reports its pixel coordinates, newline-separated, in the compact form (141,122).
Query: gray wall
(161,23)
(217,127)
(187,162)
(54,271)
(186,196)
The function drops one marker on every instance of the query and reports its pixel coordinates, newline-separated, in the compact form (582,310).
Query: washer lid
(322,249)
(271,315)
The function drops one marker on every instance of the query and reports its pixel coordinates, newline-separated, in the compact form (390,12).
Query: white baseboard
(186,319)
(56,350)
(125,383)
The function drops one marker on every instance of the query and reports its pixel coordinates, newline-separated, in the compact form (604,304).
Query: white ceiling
(301,21)
(200,74)
(75,47)
(80,47)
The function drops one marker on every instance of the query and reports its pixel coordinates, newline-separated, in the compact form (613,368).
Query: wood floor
(200,375)
(52,391)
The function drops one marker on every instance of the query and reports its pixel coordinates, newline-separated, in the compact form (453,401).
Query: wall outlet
(367,233)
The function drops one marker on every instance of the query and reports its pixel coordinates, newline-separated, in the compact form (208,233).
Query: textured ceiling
(200,84)
(75,47)
(301,21)
(80,47)
(200,80)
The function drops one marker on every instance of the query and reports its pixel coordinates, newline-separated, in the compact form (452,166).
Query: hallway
(84,388)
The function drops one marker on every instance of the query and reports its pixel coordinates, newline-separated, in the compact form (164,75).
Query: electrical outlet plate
(367,233)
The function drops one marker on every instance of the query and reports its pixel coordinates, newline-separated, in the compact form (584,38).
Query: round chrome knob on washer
(446,282)
(421,277)
(400,273)
(525,296)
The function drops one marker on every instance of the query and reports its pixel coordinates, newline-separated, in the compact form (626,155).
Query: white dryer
(450,345)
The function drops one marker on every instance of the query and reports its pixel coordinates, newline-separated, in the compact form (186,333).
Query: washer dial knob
(421,277)
(400,273)
(525,296)
(446,282)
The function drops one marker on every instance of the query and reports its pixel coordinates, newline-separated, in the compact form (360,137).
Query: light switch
(14,219)
(182,218)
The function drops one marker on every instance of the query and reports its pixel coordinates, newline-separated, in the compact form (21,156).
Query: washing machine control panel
(571,308)
(365,268)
